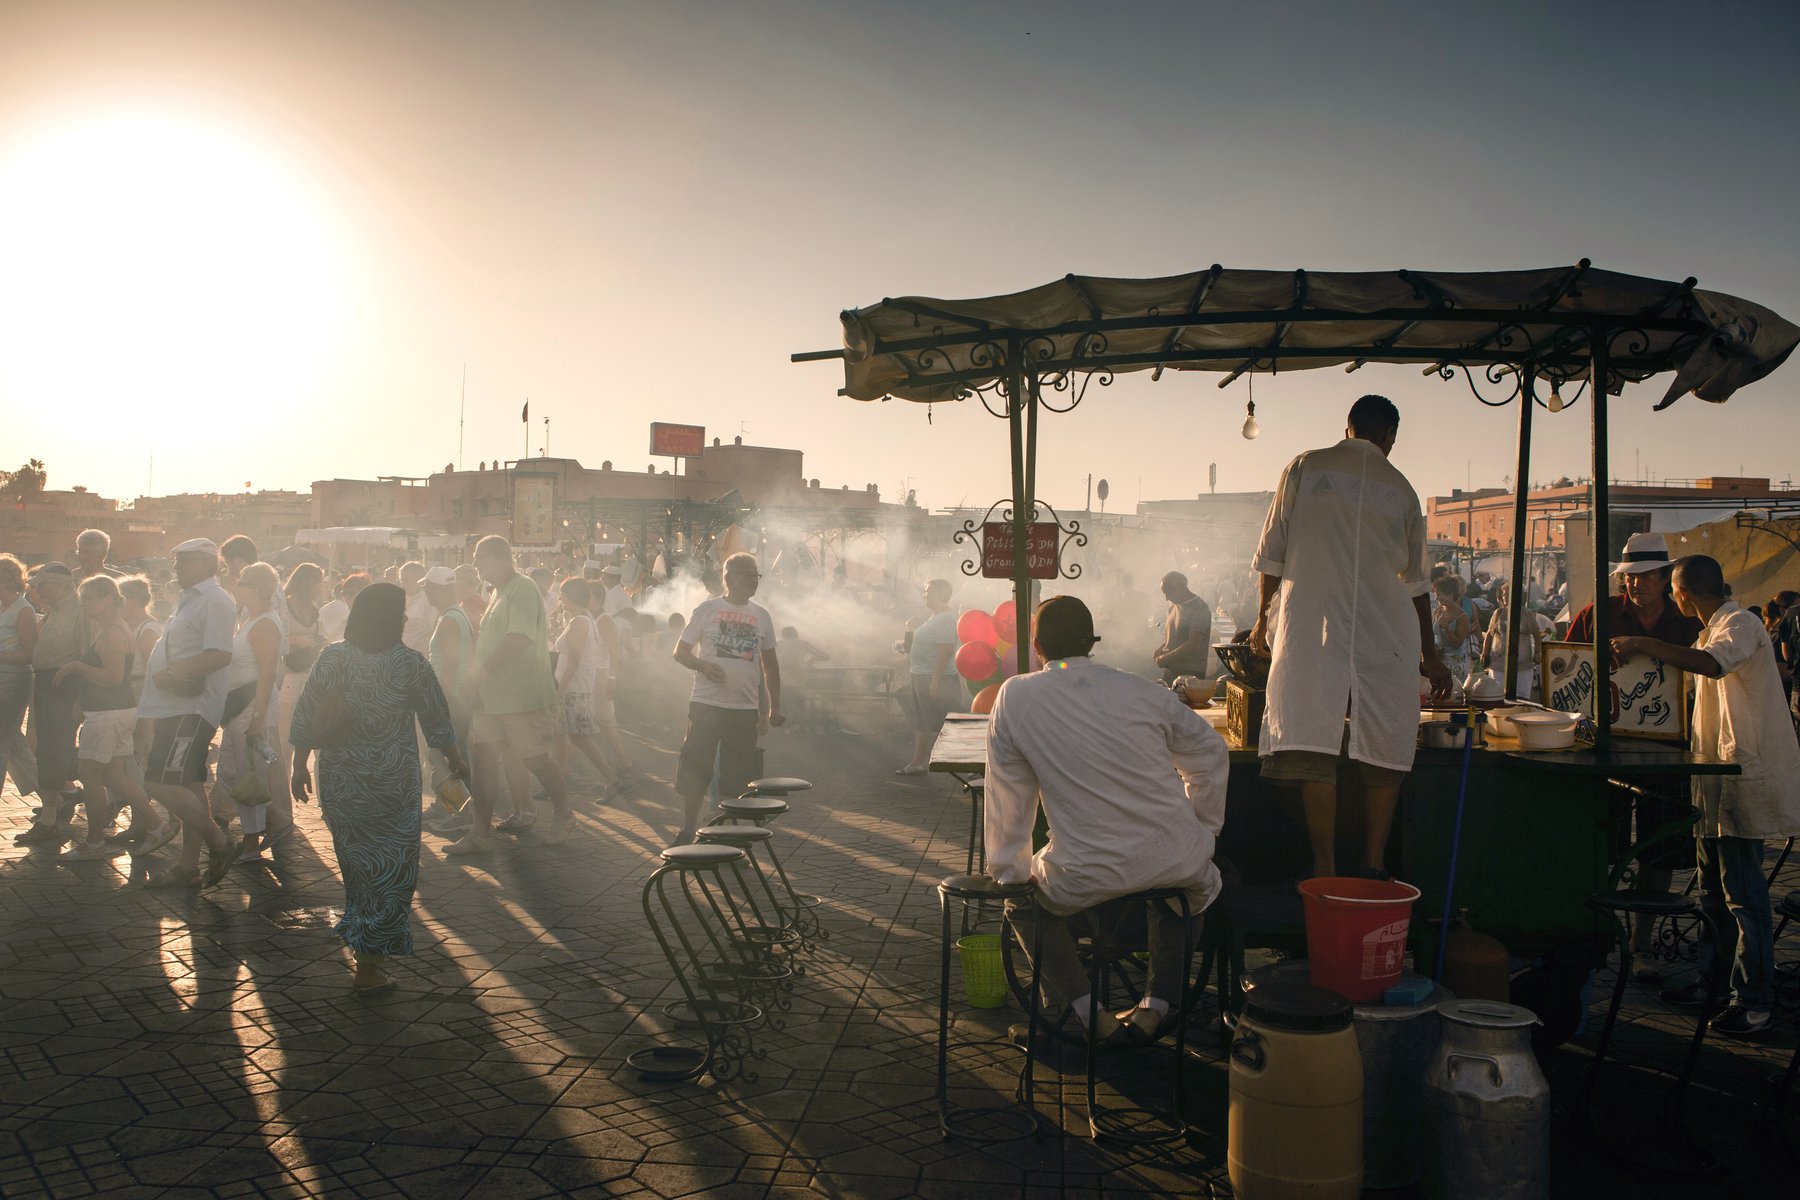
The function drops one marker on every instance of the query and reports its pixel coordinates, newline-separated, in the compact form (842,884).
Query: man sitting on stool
(1133,785)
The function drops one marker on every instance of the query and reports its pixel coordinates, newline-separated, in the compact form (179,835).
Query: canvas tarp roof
(927,350)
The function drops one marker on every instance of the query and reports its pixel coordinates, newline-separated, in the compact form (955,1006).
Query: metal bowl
(1243,665)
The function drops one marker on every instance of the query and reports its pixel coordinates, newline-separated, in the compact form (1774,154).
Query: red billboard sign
(1041,550)
(677,441)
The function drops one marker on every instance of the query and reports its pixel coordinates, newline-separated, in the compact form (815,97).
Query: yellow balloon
(1002,646)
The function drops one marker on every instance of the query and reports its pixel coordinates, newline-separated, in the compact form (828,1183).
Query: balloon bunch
(985,657)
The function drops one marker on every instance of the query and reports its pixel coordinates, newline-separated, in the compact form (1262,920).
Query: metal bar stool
(696,936)
(977,855)
(1103,952)
(769,926)
(759,810)
(1019,1119)
(1619,907)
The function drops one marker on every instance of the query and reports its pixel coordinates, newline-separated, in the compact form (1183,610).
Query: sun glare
(149,260)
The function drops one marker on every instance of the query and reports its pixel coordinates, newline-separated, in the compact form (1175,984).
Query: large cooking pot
(1244,665)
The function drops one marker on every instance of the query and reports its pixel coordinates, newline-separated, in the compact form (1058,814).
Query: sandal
(383,981)
(218,862)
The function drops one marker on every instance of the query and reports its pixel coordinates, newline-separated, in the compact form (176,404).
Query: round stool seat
(734,835)
(753,807)
(778,785)
(1648,902)
(701,858)
(1790,906)
(984,887)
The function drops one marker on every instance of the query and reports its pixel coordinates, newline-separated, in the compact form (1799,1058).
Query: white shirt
(1132,781)
(1742,717)
(576,658)
(735,636)
(332,619)
(421,622)
(616,599)
(205,619)
(1347,538)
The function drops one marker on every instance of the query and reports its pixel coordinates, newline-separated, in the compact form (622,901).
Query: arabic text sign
(1041,549)
(533,511)
(1647,696)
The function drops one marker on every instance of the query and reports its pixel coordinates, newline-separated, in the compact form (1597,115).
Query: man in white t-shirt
(728,644)
(421,617)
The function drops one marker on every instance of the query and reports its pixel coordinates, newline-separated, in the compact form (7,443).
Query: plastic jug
(1476,966)
(1295,1122)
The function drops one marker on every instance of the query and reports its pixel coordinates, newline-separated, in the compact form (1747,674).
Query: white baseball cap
(198,546)
(440,575)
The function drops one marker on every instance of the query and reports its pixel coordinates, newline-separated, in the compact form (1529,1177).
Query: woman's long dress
(369,789)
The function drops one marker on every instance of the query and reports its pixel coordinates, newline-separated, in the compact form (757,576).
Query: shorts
(928,714)
(528,734)
(726,736)
(178,750)
(1309,766)
(604,715)
(578,714)
(107,735)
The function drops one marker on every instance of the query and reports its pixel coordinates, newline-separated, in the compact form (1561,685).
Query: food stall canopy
(929,350)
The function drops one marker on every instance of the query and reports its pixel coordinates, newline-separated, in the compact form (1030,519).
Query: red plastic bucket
(1356,934)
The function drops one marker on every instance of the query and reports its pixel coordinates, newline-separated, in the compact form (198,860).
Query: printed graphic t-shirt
(735,636)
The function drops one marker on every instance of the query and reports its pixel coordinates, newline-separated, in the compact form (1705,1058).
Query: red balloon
(984,699)
(976,661)
(976,626)
(1006,616)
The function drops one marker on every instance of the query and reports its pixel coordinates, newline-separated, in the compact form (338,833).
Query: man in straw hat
(1644,607)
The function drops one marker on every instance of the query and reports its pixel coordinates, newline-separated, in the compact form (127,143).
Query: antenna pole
(462,412)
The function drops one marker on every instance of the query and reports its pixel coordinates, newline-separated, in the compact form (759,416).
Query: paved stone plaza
(165,1043)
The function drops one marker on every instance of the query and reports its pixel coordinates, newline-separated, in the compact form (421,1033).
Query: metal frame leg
(1023,1094)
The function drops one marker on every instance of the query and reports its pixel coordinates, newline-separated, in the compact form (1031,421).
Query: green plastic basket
(983,975)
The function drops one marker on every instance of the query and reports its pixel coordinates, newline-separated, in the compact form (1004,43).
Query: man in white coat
(1342,557)
(1133,785)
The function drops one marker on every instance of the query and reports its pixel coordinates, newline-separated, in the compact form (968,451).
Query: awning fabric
(927,350)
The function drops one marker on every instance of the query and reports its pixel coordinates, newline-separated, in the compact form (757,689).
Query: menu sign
(533,511)
(1042,548)
(1647,697)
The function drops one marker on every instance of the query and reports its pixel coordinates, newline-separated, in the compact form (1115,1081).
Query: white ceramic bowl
(1545,730)
(1500,720)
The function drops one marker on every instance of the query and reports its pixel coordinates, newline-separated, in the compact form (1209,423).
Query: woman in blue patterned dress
(357,711)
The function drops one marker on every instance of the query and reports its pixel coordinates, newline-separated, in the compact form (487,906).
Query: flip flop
(157,838)
(385,983)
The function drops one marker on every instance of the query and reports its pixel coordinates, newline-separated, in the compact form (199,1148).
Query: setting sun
(152,259)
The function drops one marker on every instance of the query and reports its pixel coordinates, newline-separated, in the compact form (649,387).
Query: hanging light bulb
(1556,400)
(1251,429)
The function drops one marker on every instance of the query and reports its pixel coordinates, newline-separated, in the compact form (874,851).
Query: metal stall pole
(1022,499)
(1521,506)
(1602,550)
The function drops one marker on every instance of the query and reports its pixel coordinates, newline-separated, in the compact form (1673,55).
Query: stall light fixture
(1251,429)
(1556,400)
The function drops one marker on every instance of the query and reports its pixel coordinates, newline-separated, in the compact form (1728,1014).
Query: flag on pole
(525,413)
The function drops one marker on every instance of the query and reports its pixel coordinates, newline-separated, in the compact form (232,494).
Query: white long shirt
(1742,717)
(421,623)
(1346,536)
(1132,782)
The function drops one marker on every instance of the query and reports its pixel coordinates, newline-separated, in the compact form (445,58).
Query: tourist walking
(357,712)
(105,745)
(515,698)
(134,591)
(935,683)
(183,705)
(61,639)
(18,637)
(726,645)
(583,680)
(247,758)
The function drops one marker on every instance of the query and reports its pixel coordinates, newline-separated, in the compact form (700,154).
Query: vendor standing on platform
(1187,631)
(1343,554)
(1645,608)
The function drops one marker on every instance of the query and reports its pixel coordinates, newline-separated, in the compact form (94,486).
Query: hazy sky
(260,241)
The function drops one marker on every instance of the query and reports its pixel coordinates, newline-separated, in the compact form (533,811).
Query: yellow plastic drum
(1295,1123)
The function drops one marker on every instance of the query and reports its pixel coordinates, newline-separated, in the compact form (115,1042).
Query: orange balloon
(984,699)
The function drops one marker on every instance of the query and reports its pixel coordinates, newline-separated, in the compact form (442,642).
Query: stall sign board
(533,511)
(677,441)
(1648,696)
(1041,550)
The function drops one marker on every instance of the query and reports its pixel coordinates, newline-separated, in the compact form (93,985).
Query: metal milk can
(1487,1107)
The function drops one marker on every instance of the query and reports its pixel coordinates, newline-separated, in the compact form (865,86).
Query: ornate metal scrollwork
(1069,534)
